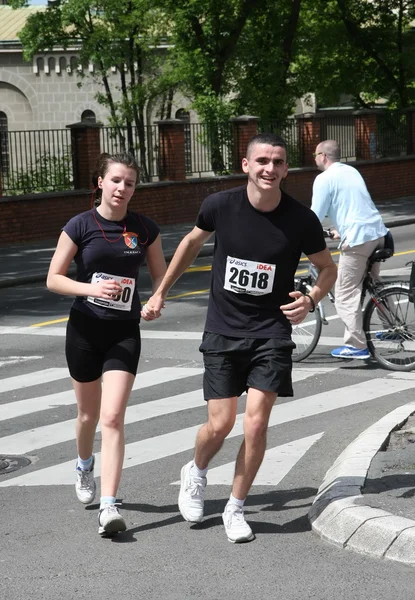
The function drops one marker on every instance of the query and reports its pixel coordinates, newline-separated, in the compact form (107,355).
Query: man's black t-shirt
(108,250)
(255,258)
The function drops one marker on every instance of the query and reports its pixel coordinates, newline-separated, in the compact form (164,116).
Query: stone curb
(338,514)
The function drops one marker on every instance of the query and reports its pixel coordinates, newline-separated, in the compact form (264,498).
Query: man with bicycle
(340,193)
(260,233)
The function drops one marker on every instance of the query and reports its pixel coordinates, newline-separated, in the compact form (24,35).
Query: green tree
(360,48)
(233,56)
(125,34)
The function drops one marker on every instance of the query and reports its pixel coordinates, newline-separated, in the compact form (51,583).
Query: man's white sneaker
(192,495)
(237,529)
(85,485)
(110,521)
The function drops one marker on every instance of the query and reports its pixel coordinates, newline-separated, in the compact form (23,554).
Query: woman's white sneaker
(85,485)
(110,521)
(192,495)
(237,529)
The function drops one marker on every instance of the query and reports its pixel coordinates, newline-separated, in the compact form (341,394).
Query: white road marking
(143,380)
(49,435)
(277,463)
(60,331)
(28,379)
(14,360)
(161,446)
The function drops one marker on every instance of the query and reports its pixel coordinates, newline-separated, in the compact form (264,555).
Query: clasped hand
(152,309)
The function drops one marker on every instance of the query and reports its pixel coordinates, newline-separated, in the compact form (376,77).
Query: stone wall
(41,216)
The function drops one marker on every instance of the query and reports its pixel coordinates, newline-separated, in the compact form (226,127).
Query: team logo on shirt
(130,239)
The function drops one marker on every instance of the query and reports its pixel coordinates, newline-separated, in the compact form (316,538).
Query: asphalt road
(50,546)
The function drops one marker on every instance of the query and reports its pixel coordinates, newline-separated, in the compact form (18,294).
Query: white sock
(106,500)
(196,472)
(235,502)
(85,465)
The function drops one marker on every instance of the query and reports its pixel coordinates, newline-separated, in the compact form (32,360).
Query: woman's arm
(57,280)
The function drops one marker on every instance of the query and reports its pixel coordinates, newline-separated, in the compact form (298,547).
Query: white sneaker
(85,485)
(110,521)
(192,495)
(237,529)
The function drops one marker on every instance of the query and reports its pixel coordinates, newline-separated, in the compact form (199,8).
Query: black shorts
(94,346)
(232,365)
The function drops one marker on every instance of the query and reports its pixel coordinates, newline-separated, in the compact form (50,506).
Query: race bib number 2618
(248,277)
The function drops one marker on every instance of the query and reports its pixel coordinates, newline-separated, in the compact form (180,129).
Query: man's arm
(321,200)
(297,311)
(186,252)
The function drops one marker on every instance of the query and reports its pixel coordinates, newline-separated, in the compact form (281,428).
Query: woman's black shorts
(232,365)
(94,346)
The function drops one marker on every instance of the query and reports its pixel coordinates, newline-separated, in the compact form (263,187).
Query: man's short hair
(265,138)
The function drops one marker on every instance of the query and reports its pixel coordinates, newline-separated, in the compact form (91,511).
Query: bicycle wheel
(389,325)
(306,335)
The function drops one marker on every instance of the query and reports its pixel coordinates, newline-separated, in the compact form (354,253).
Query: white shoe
(85,485)
(110,521)
(192,495)
(237,529)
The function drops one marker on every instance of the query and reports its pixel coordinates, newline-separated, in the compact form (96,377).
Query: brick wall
(40,217)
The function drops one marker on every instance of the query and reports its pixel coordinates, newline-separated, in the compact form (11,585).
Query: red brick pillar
(365,127)
(309,136)
(172,162)
(86,148)
(243,129)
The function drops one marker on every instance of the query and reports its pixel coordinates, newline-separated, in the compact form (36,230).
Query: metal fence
(288,130)
(41,160)
(340,127)
(144,145)
(35,161)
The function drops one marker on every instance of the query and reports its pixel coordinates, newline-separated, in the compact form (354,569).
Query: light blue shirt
(341,193)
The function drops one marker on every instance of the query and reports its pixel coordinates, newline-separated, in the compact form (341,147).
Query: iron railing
(143,145)
(35,161)
(41,160)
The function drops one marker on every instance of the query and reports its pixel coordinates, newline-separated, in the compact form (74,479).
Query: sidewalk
(357,506)
(27,263)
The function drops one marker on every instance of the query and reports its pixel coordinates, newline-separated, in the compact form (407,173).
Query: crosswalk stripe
(49,435)
(143,380)
(61,331)
(277,463)
(161,446)
(15,360)
(26,380)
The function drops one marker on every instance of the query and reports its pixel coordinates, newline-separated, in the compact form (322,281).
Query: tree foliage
(121,34)
(362,49)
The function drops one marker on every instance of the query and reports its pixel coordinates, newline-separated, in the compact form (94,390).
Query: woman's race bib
(124,300)
(248,277)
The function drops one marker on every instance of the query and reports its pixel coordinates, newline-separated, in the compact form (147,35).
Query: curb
(340,516)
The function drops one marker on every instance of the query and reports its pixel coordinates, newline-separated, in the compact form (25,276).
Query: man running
(260,233)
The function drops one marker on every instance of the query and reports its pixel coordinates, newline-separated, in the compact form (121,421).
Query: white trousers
(348,289)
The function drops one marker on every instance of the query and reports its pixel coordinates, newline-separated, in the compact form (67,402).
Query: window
(88,116)
(4,144)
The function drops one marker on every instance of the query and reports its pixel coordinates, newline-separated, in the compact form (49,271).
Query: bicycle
(388,317)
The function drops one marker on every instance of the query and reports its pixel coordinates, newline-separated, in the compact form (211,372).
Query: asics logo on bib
(239,263)
(103,276)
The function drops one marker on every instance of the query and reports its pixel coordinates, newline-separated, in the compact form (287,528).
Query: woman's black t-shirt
(255,258)
(111,250)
